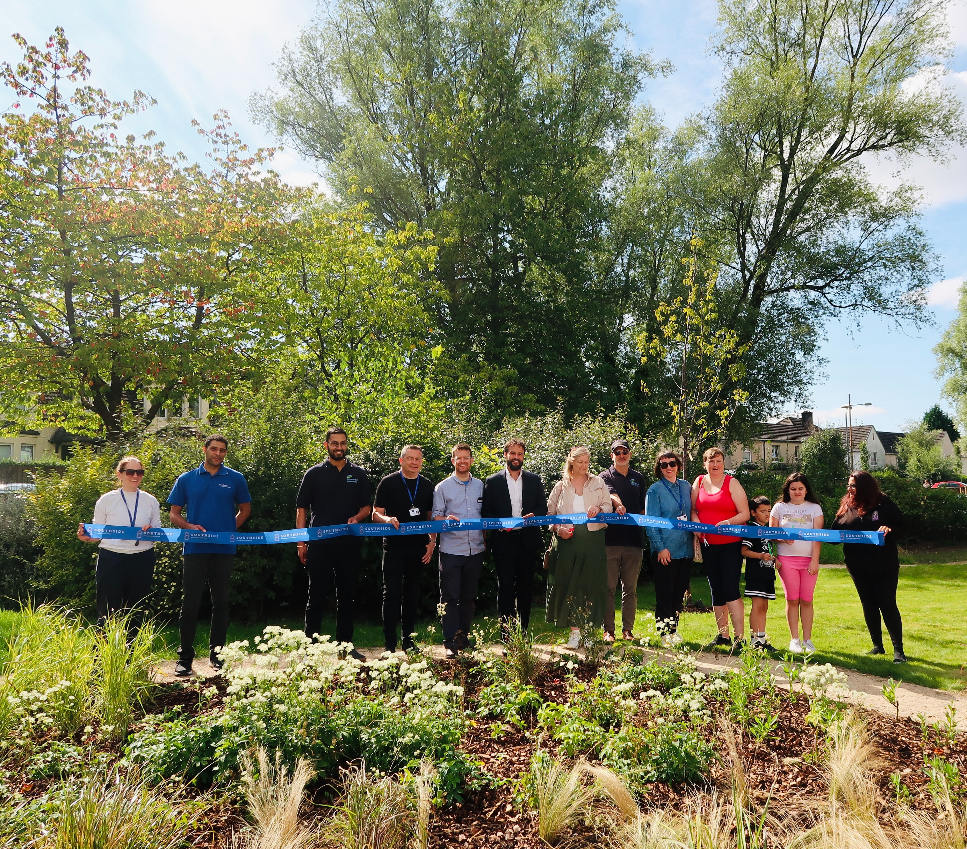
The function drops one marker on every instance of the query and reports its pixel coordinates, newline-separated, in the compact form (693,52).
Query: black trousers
(123,582)
(459,576)
(402,569)
(215,570)
(515,566)
(723,565)
(333,564)
(877,592)
(671,584)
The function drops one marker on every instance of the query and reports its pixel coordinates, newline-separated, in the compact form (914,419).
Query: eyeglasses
(133,472)
(669,464)
(619,452)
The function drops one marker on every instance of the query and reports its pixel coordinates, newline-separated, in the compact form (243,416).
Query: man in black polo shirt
(403,497)
(333,493)
(623,543)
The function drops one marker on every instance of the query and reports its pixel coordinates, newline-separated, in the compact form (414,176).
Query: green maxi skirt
(577,581)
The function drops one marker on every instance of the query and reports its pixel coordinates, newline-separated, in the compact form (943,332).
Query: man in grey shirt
(459,497)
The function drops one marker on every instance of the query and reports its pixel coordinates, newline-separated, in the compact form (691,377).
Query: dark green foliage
(932,515)
(937,419)
(823,460)
(18,550)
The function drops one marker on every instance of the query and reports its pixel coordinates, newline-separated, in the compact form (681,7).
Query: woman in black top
(875,569)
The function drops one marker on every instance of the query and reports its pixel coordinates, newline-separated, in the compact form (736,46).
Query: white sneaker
(575,640)
(808,647)
(795,647)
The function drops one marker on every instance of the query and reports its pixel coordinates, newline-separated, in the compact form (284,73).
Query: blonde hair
(712,452)
(576,451)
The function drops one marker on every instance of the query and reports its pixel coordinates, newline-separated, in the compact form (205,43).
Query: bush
(18,550)
(932,515)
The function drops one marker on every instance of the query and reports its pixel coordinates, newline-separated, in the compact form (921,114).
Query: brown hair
(512,442)
(865,497)
(216,437)
(666,455)
(461,446)
(798,477)
(712,452)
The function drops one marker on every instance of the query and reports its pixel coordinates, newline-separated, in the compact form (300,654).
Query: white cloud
(945,293)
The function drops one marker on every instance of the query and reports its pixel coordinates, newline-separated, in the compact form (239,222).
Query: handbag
(698,549)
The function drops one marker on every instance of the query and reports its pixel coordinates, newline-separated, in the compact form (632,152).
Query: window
(873,459)
(796,453)
(26,452)
(746,455)
(194,406)
(6,452)
(775,452)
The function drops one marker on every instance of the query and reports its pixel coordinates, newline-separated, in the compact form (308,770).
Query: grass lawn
(931,599)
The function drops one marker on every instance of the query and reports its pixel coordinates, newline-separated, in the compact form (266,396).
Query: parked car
(17,487)
(960,486)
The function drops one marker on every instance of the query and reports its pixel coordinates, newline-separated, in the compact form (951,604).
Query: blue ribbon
(370,529)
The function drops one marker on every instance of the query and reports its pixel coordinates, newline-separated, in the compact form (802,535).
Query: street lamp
(849,425)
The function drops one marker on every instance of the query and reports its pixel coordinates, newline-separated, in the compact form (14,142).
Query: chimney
(807,420)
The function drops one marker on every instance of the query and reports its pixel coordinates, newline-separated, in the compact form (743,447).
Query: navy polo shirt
(631,489)
(212,502)
(333,496)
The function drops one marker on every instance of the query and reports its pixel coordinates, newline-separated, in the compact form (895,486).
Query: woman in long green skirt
(578,569)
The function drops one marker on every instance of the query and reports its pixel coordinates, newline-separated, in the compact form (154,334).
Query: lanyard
(137,498)
(678,495)
(416,489)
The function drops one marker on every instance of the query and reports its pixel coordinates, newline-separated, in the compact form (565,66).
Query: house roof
(789,429)
(860,434)
(889,439)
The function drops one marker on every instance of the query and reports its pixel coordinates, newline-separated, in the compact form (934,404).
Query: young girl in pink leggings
(798,559)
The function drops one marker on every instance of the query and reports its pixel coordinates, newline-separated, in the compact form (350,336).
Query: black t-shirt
(631,489)
(396,495)
(332,496)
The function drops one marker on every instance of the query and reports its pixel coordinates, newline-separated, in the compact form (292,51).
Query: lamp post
(849,425)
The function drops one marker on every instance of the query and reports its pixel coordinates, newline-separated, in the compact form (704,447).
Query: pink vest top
(712,509)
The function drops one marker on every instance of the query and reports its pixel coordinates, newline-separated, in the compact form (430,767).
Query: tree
(118,262)
(702,361)
(937,419)
(776,186)
(493,124)
(823,460)
(921,456)
(951,353)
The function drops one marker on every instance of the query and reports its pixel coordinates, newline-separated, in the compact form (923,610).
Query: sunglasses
(618,452)
(668,464)
(133,472)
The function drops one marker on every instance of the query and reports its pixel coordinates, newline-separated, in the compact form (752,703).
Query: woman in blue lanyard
(125,567)
(672,551)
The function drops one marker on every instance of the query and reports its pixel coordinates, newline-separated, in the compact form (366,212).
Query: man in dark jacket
(514,492)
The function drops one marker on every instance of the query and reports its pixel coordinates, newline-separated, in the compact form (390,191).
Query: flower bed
(523,750)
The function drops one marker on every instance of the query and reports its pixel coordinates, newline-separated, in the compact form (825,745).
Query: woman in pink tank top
(719,499)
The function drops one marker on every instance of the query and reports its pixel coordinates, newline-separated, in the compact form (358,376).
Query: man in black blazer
(514,492)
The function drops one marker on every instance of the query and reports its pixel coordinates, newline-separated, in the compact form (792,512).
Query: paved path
(866,689)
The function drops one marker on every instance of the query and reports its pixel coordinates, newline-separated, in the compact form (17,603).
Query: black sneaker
(899,656)
(216,662)
(738,645)
(450,654)
(765,645)
(719,640)
(356,654)
(182,668)
(876,650)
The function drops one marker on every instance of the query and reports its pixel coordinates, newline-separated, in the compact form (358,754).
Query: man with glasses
(335,492)
(217,499)
(623,543)
(403,497)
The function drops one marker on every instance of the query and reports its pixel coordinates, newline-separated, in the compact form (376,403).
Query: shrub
(18,550)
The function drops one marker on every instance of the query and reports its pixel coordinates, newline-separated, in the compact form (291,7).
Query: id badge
(414,511)
(683,518)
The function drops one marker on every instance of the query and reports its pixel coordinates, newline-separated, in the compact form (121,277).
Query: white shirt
(110,510)
(799,517)
(577,506)
(516,489)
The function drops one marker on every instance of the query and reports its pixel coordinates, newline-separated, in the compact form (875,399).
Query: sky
(196,58)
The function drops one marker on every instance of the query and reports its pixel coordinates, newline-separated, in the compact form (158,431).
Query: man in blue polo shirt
(217,499)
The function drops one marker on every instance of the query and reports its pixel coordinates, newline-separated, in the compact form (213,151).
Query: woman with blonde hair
(125,567)
(719,499)
(578,577)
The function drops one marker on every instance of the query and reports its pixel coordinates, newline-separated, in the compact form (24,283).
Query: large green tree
(773,179)
(492,122)
(951,354)
(118,261)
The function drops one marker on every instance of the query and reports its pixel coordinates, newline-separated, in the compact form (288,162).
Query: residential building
(776,443)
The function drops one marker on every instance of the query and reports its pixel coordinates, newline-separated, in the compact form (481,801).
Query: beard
(336,453)
(515,465)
